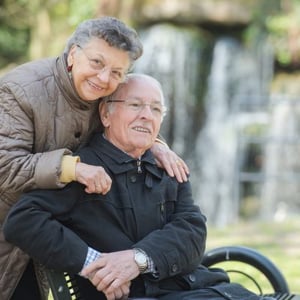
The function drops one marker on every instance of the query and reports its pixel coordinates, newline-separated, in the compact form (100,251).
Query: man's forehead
(138,86)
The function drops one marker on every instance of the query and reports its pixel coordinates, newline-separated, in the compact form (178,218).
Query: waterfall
(233,102)
(280,193)
(210,87)
(216,143)
(175,57)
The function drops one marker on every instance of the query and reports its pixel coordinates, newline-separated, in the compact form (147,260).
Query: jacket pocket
(202,277)
(234,291)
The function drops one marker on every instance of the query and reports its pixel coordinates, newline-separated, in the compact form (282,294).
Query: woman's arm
(21,169)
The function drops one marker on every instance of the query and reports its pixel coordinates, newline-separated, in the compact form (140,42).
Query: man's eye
(157,108)
(135,105)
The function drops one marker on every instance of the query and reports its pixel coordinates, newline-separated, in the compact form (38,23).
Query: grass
(278,241)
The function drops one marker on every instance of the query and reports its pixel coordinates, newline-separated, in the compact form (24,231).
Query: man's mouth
(141,129)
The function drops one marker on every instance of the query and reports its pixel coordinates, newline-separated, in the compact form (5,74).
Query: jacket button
(133,178)
(174,268)
(77,135)
(192,278)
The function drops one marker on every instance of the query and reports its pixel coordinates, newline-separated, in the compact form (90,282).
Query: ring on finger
(178,162)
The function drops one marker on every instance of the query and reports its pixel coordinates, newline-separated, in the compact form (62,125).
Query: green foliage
(18,21)
(12,44)
(277,21)
(81,10)
(14,31)
(284,34)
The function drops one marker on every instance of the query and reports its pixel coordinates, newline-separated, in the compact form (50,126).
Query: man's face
(133,124)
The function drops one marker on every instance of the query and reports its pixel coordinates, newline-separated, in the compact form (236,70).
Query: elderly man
(145,237)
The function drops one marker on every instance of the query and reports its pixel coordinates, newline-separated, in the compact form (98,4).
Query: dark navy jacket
(145,208)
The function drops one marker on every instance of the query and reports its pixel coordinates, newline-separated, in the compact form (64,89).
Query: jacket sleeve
(33,225)
(21,168)
(178,247)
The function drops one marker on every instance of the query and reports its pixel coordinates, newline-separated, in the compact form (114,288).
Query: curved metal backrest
(250,257)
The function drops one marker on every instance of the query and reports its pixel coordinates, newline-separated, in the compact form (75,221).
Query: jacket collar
(67,87)
(120,162)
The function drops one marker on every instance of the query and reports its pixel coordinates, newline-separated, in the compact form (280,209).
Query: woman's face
(97,68)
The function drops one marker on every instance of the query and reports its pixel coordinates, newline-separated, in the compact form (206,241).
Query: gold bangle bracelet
(157,140)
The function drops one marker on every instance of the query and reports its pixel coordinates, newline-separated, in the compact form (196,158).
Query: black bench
(63,286)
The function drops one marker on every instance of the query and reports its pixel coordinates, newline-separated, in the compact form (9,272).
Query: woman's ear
(70,57)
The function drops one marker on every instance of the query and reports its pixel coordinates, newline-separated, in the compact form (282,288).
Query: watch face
(141,260)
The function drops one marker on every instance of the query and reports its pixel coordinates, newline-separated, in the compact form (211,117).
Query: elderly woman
(145,237)
(47,109)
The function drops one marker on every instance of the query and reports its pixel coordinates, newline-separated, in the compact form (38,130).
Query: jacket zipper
(139,163)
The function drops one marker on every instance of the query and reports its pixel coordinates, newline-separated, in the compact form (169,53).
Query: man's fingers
(90,270)
(102,280)
(120,293)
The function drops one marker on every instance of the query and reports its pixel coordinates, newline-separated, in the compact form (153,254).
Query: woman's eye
(117,74)
(98,63)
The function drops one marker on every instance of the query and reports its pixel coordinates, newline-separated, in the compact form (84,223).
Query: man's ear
(104,114)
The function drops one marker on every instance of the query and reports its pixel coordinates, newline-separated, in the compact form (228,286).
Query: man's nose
(146,111)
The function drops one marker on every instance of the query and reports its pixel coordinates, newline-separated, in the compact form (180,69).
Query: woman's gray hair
(116,33)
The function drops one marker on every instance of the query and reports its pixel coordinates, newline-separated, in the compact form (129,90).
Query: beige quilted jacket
(41,119)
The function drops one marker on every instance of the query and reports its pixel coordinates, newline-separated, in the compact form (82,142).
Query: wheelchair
(244,265)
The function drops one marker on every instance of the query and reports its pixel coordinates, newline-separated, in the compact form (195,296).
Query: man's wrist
(141,259)
(91,256)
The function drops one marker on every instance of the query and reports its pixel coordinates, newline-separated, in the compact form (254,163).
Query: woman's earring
(69,69)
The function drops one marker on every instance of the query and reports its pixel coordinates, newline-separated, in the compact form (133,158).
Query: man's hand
(170,161)
(112,272)
(119,293)
(94,178)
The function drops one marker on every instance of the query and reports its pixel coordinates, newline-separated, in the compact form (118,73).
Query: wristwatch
(140,258)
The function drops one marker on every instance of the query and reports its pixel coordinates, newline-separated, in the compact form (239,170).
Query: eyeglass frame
(101,67)
(162,113)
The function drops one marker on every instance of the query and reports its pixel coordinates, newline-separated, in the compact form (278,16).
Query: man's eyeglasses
(157,109)
(98,65)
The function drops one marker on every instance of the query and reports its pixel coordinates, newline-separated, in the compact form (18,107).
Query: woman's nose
(104,74)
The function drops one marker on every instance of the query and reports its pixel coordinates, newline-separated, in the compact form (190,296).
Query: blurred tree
(284,29)
(32,29)
(14,30)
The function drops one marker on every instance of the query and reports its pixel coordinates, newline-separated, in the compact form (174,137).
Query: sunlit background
(230,72)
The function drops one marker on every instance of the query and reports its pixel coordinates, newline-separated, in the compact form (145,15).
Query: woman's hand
(170,161)
(94,178)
